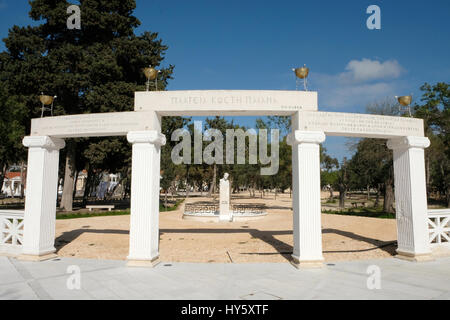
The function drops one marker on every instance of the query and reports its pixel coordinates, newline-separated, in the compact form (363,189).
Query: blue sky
(254,45)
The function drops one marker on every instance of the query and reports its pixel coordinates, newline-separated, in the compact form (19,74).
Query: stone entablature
(359,125)
(226,102)
(92,125)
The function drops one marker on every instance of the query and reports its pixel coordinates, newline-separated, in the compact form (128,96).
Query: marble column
(306,198)
(411,197)
(41,196)
(145,178)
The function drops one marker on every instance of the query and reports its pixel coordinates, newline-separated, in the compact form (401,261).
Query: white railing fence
(11,231)
(439,226)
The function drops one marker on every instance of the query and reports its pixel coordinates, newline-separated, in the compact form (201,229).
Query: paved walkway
(101,279)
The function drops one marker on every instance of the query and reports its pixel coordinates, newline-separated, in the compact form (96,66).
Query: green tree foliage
(12,131)
(435,111)
(95,69)
(328,174)
(169,171)
(371,167)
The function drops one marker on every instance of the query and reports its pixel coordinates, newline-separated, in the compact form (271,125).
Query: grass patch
(363,212)
(74,215)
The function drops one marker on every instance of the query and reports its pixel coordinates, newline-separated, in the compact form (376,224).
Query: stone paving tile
(58,267)
(17,291)
(104,294)
(57,288)
(260,295)
(8,273)
(112,280)
(420,282)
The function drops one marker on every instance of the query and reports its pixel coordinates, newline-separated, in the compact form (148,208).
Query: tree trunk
(368,192)
(87,186)
(173,190)
(427,173)
(23,178)
(342,195)
(165,198)
(388,205)
(212,189)
(331,193)
(2,179)
(377,198)
(75,179)
(67,196)
(187,182)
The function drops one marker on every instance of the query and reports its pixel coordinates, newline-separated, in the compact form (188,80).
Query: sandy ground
(265,240)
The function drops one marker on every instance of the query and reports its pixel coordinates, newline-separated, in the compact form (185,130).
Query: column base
(143,263)
(424,257)
(37,258)
(306,264)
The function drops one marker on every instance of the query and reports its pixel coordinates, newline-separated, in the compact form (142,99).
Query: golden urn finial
(46,100)
(302,72)
(150,73)
(405,100)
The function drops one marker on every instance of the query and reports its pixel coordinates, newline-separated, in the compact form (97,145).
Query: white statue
(225,213)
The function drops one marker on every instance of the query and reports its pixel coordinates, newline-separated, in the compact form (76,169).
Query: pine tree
(95,69)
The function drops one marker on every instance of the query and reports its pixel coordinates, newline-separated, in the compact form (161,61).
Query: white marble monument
(142,127)
(225,214)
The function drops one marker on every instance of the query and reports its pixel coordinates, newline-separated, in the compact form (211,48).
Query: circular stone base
(215,218)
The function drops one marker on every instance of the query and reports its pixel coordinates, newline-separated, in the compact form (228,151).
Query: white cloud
(362,82)
(369,70)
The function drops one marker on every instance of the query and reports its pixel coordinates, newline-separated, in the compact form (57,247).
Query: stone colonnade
(410,196)
(40,208)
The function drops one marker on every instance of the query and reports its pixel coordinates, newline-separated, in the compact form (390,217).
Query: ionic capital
(408,142)
(44,142)
(298,137)
(153,137)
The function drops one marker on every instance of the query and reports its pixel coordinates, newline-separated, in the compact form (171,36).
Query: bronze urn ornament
(150,73)
(405,103)
(405,100)
(46,101)
(301,73)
